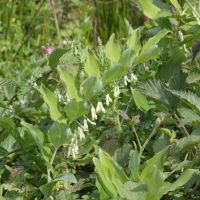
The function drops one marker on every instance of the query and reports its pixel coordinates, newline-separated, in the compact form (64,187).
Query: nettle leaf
(121,154)
(134,42)
(23,90)
(59,134)
(168,70)
(9,125)
(127,58)
(189,117)
(150,53)
(55,56)
(51,99)
(69,79)
(92,86)
(38,72)
(75,109)
(154,40)
(67,59)
(113,73)
(3,152)
(92,66)
(162,142)
(8,82)
(113,50)
(9,91)
(149,9)
(192,78)
(134,191)
(156,90)
(189,98)
(185,143)
(140,101)
(178,83)
(47,188)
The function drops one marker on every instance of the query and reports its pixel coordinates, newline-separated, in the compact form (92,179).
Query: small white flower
(126,80)
(133,78)
(69,152)
(73,154)
(116,91)
(80,133)
(100,107)
(76,147)
(85,127)
(93,123)
(108,100)
(93,112)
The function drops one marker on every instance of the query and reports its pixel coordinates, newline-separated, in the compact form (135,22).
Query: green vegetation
(100,100)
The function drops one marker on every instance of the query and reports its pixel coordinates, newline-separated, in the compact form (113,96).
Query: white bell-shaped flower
(133,77)
(116,91)
(73,153)
(85,127)
(93,112)
(100,107)
(108,99)
(126,80)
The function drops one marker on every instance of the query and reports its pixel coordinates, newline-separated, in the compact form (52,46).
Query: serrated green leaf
(9,125)
(8,82)
(149,9)
(185,143)
(51,99)
(134,191)
(121,154)
(113,73)
(55,56)
(3,152)
(75,109)
(192,78)
(134,42)
(67,59)
(140,101)
(113,50)
(92,86)
(47,188)
(161,143)
(70,80)
(92,66)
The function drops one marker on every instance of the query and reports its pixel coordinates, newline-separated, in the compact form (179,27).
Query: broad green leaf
(167,70)
(51,99)
(134,42)
(177,6)
(113,73)
(140,101)
(164,22)
(189,117)
(162,142)
(185,143)
(185,176)
(180,166)
(37,135)
(8,82)
(113,50)
(3,152)
(166,131)
(150,53)
(149,9)
(88,147)
(157,160)
(92,86)
(134,165)
(75,109)
(92,66)
(134,191)
(64,195)
(127,58)
(55,56)
(70,80)
(9,125)
(47,188)
(9,91)
(155,184)
(178,83)
(59,134)
(154,40)
(121,155)
(195,177)
(4,161)
(39,162)
(108,187)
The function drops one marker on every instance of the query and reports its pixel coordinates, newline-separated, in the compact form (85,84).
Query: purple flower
(46,49)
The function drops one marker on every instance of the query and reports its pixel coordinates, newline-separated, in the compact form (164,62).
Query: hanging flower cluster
(133,78)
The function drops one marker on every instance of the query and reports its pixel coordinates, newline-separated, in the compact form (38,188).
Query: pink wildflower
(46,49)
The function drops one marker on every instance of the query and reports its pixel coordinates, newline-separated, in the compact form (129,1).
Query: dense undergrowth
(121,121)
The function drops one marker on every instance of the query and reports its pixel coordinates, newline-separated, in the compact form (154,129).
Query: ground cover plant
(113,121)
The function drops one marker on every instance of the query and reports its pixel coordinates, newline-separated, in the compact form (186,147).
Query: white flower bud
(116,91)
(73,154)
(69,152)
(98,108)
(85,127)
(125,80)
(108,100)
(80,133)
(93,123)
(102,108)
(93,112)
(133,77)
